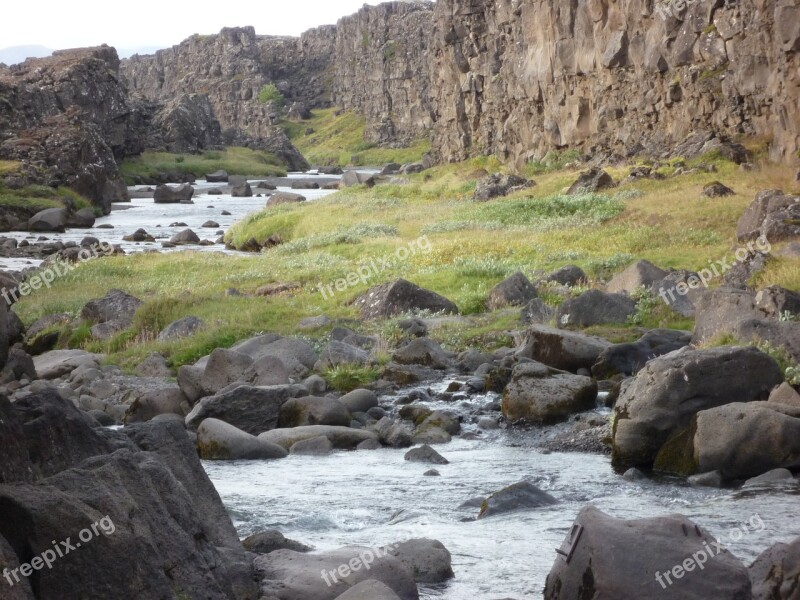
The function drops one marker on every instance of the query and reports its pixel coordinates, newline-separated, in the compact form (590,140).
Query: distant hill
(17,54)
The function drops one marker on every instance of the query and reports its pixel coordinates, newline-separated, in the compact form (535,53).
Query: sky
(157,23)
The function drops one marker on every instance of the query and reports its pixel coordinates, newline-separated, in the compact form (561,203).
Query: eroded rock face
(70,114)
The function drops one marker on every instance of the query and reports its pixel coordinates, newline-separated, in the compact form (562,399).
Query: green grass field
(472,246)
(236,161)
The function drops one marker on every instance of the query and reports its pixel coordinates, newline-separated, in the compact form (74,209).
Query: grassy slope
(339,140)
(473,246)
(236,161)
(34,198)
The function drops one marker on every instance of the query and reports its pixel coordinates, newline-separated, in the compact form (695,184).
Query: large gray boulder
(399,297)
(167,194)
(342,438)
(517,290)
(499,185)
(561,349)
(351,178)
(661,401)
(393,433)
(663,557)
(593,180)
(595,308)
(49,220)
(312,410)
(772,216)
(775,574)
(520,496)
(540,394)
(210,375)
(359,401)
(116,306)
(628,359)
(270,540)
(58,363)
(745,440)
(182,328)
(427,560)
(279,198)
(297,356)
(339,353)
(185,237)
(642,273)
(288,575)
(217,440)
(83,219)
(423,351)
(251,409)
(570,275)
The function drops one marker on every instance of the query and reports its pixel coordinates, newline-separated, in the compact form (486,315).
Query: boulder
(51,219)
(499,185)
(342,438)
(427,560)
(339,353)
(166,400)
(775,302)
(595,308)
(399,297)
(284,198)
(775,574)
(785,394)
(210,375)
(560,349)
(318,446)
(369,590)
(570,275)
(643,558)
(254,410)
(772,216)
(116,306)
(537,312)
(210,225)
(393,433)
(351,178)
(520,496)
(770,478)
(167,194)
(242,190)
(217,177)
(628,359)
(312,410)
(305,185)
(680,290)
(593,180)
(179,329)
(540,394)
(517,290)
(422,351)
(426,454)
(59,363)
(296,355)
(359,400)
(662,400)
(187,236)
(742,440)
(640,274)
(288,575)
(267,370)
(82,219)
(715,189)
(268,541)
(217,440)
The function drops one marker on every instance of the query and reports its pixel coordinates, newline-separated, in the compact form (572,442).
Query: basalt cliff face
(68,118)
(517,78)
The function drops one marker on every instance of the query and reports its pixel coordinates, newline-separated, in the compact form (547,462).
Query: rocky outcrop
(69,118)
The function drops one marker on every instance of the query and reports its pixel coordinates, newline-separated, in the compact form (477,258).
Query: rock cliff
(69,119)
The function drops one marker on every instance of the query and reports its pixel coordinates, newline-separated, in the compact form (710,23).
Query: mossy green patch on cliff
(9,166)
(236,161)
(328,138)
(33,198)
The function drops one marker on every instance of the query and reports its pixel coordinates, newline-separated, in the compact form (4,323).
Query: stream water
(377,498)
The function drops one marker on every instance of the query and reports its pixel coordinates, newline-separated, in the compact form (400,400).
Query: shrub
(270,93)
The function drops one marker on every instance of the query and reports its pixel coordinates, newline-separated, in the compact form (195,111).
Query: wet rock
(520,496)
(217,440)
(662,400)
(268,541)
(652,565)
(167,194)
(342,438)
(359,400)
(393,433)
(770,477)
(775,573)
(427,560)
(426,454)
(540,394)
(318,446)
(399,297)
(711,479)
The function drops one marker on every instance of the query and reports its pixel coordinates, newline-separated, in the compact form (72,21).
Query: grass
(34,198)
(472,247)
(339,140)
(236,161)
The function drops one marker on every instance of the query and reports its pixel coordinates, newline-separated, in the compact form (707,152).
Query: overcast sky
(160,23)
